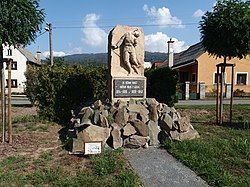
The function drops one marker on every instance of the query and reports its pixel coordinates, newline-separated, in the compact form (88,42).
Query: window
(184,76)
(193,78)
(13,66)
(241,78)
(9,52)
(217,77)
(13,83)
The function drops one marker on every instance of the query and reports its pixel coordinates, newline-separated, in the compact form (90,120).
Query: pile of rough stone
(131,124)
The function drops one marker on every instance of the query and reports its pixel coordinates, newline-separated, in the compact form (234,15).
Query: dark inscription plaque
(128,88)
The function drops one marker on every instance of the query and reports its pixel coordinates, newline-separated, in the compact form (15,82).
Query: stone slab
(125,88)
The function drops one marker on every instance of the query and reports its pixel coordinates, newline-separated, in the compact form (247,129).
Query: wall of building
(207,70)
(192,69)
(21,68)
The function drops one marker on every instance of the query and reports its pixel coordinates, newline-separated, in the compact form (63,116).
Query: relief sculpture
(127,44)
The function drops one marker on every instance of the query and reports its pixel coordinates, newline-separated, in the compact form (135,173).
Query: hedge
(161,85)
(59,89)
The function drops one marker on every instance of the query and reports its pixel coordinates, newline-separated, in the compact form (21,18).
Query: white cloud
(198,13)
(158,43)
(76,50)
(55,54)
(94,36)
(162,17)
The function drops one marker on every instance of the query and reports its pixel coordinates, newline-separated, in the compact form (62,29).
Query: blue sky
(82,26)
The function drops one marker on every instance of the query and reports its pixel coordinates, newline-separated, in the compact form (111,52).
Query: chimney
(170,53)
(38,56)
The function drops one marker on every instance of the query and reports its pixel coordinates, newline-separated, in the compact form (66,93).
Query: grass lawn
(222,155)
(37,158)
(108,169)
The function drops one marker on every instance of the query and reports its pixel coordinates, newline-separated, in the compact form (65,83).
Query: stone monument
(126,63)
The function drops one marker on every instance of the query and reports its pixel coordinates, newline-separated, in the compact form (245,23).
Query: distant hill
(87,58)
(154,56)
(101,58)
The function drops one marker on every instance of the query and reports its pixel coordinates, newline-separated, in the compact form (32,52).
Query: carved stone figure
(126,51)
(127,43)
(126,63)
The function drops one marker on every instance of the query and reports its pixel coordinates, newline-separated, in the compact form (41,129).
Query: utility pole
(49,29)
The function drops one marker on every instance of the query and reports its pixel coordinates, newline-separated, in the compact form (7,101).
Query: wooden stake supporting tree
(10,131)
(220,86)
(3,103)
(2,80)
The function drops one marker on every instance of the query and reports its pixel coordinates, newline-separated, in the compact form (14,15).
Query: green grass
(107,162)
(26,118)
(207,114)
(44,159)
(107,169)
(30,123)
(221,156)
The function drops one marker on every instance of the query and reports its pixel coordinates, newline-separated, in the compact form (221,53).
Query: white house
(147,65)
(21,58)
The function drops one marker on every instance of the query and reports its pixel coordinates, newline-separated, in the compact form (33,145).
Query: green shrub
(31,83)
(239,93)
(59,89)
(161,85)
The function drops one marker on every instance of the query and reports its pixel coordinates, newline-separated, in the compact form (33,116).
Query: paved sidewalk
(213,102)
(157,168)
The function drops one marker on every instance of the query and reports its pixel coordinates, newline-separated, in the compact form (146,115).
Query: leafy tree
(20,20)
(225,32)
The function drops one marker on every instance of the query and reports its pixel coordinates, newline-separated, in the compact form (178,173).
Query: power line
(110,26)
(112,19)
(41,34)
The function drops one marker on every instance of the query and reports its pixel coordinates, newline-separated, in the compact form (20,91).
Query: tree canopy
(225,32)
(20,20)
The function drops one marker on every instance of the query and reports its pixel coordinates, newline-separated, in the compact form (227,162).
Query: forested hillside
(101,58)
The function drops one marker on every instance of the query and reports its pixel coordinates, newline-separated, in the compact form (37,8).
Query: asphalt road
(19,100)
(23,100)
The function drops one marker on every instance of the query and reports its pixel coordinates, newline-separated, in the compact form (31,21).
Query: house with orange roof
(196,67)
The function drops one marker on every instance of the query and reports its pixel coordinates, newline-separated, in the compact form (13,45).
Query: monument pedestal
(125,88)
